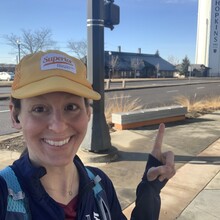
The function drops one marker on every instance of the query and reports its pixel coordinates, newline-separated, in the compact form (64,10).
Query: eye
(39,109)
(71,107)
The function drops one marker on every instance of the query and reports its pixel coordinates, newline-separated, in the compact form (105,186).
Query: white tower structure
(208,35)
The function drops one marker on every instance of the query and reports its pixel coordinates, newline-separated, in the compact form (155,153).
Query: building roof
(198,67)
(124,60)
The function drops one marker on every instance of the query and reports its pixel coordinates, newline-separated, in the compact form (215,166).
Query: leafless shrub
(121,104)
(201,106)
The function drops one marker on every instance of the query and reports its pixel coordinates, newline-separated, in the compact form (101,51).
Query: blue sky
(165,25)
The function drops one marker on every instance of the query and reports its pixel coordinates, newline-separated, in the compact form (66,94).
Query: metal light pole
(100,137)
(110,64)
(190,71)
(19,50)
(158,70)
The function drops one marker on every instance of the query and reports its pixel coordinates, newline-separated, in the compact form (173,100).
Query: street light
(158,70)
(190,71)
(98,16)
(100,140)
(19,50)
(110,64)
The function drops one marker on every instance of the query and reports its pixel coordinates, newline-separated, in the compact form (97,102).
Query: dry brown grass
(121,104)
(201,106)
(195,107)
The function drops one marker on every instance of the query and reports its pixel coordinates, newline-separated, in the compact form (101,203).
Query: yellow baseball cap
(51,71)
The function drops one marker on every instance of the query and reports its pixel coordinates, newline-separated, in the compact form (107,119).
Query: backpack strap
(100,195)
(17,206)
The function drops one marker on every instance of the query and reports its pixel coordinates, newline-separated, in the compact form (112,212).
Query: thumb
(152,173)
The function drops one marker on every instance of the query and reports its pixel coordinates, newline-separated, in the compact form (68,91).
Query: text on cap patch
(52,61)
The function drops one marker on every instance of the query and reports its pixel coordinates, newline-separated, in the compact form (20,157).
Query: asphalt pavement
(192,194)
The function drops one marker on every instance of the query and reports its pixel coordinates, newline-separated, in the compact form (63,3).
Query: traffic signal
(111,14)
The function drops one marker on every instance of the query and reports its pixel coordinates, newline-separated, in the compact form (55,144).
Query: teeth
(57,143)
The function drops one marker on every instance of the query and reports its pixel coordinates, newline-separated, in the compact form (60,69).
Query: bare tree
(31,41)
(113,62)
(79,48)
(136,65)
(173,60)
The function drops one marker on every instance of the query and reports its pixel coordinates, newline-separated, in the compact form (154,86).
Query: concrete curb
(105,157)
(6,137)
(4,96)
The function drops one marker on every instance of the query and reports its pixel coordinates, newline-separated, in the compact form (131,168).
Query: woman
(50,104)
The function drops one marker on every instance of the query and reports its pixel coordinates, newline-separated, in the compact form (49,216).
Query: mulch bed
(13,144)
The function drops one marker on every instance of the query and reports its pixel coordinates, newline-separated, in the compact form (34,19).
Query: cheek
(31,126)
(81,123)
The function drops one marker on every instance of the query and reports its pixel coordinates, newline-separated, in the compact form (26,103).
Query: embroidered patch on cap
(57,61)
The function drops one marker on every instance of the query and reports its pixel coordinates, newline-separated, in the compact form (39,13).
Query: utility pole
(100,14)
(19,50)
(110,64)
(100,137)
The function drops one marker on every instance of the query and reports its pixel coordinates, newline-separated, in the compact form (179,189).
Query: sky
(168,26)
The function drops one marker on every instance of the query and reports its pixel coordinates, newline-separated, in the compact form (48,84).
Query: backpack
(17,207)
(100,196)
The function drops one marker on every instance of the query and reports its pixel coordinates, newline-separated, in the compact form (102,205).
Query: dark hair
(17,107)
(16,102)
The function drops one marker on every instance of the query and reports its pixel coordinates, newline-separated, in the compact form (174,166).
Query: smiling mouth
(57,143)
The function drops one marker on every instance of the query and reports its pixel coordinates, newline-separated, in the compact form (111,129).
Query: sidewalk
(193,193)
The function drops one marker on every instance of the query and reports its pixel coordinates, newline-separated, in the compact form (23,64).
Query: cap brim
(55,84)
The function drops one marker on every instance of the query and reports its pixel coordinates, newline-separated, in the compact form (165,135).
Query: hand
(167,170)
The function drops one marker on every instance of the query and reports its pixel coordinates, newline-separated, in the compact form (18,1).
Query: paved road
(146,97)
(118,83)
(160,96)
(6,126)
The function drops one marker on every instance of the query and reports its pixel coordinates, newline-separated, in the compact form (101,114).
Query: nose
(57,123)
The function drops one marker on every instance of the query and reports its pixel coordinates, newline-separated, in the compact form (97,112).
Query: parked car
(12,75)
(4,76)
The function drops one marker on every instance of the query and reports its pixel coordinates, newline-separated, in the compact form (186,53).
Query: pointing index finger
(158,141)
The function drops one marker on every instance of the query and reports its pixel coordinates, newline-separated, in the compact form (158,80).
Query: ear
(14,117)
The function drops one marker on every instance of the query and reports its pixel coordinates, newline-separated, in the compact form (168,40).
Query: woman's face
(53,126)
